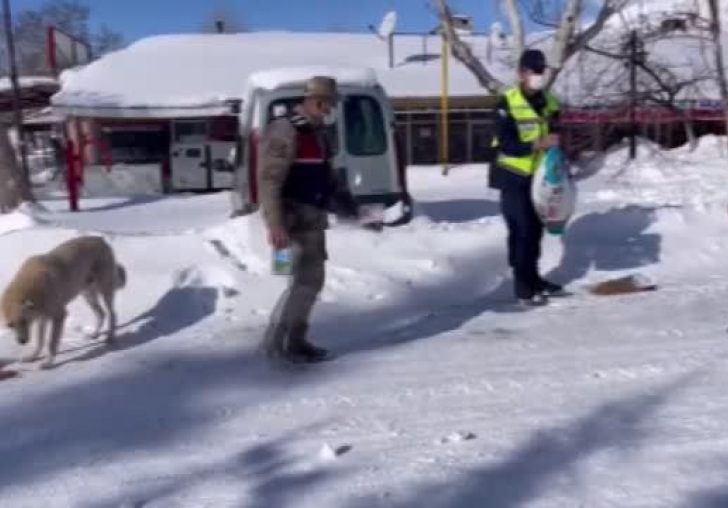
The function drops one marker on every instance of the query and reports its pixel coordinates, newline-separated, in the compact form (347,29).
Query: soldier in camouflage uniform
(298,187)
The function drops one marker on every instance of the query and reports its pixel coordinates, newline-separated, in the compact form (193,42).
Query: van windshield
(366,135)
(285,106)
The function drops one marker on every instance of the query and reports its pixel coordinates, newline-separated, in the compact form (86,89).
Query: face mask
(536,81)
(330,118)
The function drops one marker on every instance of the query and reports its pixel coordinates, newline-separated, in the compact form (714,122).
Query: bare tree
(71,16)
(567,41)
(463,52)
(14,188)
(105,41)
(516,22)
(661,79)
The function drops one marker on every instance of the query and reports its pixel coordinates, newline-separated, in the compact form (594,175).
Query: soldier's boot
(300,349)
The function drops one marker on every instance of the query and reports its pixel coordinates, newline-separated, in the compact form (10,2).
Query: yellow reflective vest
(531,127)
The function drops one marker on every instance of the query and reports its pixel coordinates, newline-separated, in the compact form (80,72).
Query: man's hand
(278,238)
(547,142)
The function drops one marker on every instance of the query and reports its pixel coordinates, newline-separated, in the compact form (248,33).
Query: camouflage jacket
(278,147)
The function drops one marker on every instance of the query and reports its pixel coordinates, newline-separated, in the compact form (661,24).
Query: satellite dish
(497,35)
(388,24)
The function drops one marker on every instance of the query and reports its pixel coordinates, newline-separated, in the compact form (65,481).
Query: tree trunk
(564,35)
(690,133)
(14,189)
(464,53)
(516,23)
(568,41)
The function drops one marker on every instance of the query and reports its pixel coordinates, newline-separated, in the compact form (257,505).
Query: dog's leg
(57,323)
(92,298)
(108,297)
(40,341)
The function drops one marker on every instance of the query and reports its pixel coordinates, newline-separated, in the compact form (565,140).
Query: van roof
(291,77)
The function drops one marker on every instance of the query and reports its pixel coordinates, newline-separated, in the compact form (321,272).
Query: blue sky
(139,18)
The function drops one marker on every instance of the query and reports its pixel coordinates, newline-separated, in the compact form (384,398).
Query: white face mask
(331,118)
(536,81)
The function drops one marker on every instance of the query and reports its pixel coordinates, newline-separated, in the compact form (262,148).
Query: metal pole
(17,106)
(444,149)
(633,94)
(390,44)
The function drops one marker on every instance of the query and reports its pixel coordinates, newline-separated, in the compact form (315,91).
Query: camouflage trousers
(290,317)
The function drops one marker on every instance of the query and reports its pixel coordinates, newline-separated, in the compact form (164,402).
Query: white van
(364,141)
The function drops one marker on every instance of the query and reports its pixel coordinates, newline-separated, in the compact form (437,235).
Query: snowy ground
(442,396)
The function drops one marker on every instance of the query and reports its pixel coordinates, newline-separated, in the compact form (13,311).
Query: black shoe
(523,288)
(300,349)
(535,300)
(314,352)
(548,288)
(306,355)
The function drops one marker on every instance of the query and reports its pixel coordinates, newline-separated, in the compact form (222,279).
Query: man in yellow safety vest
(526,125)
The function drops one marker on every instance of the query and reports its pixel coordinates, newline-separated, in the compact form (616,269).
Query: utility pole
(17,106)
(633,94)
(635,56)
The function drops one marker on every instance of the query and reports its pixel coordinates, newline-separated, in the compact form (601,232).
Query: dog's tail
(120,278)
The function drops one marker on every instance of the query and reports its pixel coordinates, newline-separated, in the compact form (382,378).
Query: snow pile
(21,218)
(677,178)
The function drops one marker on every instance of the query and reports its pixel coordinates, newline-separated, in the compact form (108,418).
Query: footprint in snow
(327,453)
(457,437)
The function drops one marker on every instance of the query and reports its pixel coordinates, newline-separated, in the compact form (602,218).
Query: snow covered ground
(442,395)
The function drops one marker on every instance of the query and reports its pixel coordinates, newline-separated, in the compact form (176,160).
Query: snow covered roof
(28,82)
(35,92)
(201,71)
(198,74)
(284,77)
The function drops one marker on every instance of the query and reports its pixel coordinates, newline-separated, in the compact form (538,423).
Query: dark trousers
(525,232)
(290,317)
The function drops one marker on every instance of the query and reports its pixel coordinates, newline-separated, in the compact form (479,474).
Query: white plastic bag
(553,191)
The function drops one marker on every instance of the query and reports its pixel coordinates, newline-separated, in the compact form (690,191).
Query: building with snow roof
(143,99)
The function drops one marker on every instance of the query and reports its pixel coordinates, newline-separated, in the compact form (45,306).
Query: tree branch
(601,52)
(516,23)
(563,37)
(609,8)
(463,53)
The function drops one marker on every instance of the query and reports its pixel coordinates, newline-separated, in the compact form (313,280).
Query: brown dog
(45,284)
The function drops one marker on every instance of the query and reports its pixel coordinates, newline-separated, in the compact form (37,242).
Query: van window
(365,130)
(283,107)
